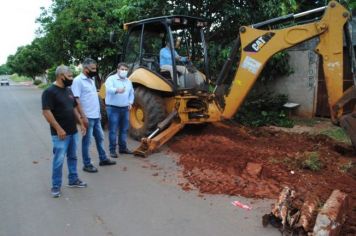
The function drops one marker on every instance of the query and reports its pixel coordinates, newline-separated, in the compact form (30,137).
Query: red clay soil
(214,160)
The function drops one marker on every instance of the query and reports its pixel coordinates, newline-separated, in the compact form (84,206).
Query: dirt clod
(257,163)
(254,169)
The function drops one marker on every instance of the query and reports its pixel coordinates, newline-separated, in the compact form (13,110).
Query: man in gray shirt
(84,91)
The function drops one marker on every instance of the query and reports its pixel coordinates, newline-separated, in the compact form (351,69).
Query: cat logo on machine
(257,44)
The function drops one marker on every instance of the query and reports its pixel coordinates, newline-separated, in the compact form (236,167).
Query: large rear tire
(147,111)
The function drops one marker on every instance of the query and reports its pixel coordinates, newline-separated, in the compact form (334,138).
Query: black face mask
(67,82)
(91,74)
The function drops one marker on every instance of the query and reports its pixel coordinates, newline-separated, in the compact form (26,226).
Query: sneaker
(126,151)
(90,169)
(107,162)
(113,155)
(78,184)
(56,192)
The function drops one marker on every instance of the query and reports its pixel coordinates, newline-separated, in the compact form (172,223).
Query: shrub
(17,78)
(261,109)
(37,82)
(44,86)
(312,161)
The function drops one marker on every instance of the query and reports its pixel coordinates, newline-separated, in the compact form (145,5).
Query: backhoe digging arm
(154,141)
(257,46)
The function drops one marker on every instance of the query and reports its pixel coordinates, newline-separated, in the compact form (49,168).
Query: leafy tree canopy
(74,29)
(5,70)
(30,60)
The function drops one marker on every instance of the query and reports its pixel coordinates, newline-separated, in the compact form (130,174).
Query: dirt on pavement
(258,163)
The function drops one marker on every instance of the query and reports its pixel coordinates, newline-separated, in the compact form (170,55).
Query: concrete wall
(300,86)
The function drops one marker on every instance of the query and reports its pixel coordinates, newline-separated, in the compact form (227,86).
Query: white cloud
(17,24)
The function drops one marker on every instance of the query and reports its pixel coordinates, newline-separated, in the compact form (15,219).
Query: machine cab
(171,48)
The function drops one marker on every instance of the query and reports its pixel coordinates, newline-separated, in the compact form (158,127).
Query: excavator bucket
(150,145)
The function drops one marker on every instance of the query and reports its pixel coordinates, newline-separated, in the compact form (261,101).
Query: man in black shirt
(61,112)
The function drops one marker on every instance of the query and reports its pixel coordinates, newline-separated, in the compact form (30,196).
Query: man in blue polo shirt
(166,62)
(187,78)
(119,99)
(84,91)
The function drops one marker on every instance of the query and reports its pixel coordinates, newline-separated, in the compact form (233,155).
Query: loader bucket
(150,145)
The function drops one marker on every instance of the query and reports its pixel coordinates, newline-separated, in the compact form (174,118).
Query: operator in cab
(187,78)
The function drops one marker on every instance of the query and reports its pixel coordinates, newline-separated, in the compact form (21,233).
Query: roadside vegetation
(37,82)
(261,109)
(347,167)
(308,122)
(44,86)
(18,78)
(302,161)
(337,133)
(311,161)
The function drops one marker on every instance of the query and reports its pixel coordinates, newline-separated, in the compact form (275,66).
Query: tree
(75,29)
(31,60)
(5,70)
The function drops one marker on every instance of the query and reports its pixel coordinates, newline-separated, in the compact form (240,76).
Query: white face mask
(123,73)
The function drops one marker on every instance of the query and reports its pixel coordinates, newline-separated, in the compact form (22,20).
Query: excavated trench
(258,163)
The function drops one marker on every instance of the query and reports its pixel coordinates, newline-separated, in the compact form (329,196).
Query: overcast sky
(17,24)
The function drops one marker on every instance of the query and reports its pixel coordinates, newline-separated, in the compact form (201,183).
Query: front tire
(147,111)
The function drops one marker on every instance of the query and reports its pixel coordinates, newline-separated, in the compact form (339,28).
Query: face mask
(67,82)
(123,73)
(91,74)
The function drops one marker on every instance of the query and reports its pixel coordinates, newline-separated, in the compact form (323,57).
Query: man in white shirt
(84,90)
(119,99)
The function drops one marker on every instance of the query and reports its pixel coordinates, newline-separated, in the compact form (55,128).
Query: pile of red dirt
(258,163)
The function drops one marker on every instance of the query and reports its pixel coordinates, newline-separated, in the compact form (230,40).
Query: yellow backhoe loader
(165,101)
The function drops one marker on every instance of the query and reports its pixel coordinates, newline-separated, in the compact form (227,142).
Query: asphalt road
(136,197)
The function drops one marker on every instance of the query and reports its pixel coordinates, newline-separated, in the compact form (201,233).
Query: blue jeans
(61,148)
(118,121)
(94,129)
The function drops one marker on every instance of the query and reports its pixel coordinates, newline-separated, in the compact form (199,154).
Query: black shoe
(113,155)
(56,192)
(126,151)
(78,184)
(107,162)
(90,169)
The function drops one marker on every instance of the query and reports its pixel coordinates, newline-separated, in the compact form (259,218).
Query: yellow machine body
(330,31)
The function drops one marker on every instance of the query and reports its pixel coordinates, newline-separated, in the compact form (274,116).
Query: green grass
(17,78)
(303,161)
(306,122)
(312,161)
(346,167)
(37,82)
(337,133)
